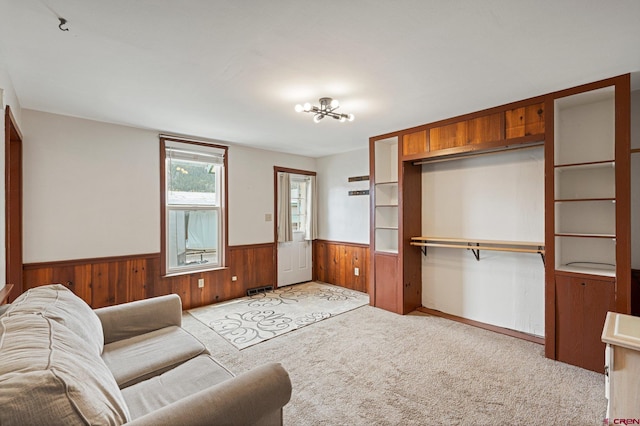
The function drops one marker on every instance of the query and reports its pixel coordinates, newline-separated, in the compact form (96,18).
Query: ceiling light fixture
(327,108)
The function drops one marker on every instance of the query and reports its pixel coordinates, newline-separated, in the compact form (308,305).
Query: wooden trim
(623,192)
(163,209)
(276,170)
(409,223)
(294,171)
(494,328)
(612,81)
(371,285)
(549,237)
(343,243)
(225,202)
(635,150)
(13,201)
(15,130)
(5,293)
(76,262)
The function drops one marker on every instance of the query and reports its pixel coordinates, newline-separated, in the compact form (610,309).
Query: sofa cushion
(49,375)
(186,379)
(141,357)
(58,303)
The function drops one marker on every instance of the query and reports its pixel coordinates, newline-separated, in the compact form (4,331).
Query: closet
(585,132)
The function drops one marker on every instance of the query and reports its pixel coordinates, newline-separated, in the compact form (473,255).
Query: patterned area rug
(254,319)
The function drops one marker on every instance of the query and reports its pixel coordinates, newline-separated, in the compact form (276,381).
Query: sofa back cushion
(59,304)
(49,375)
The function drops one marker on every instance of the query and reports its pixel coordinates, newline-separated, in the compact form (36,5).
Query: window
(299,203)
(193,210)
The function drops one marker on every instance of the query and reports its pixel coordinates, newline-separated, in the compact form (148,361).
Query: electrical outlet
(234,278)
(201,283)
(356,272)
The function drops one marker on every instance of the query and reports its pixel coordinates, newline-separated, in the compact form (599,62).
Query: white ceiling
(232,70)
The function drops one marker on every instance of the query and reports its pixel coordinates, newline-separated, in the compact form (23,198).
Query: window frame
(164,209)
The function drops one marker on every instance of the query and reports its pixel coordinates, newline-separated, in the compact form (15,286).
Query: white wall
(92,189)
(7,98)
(251,192)
(493,197)
(342,217)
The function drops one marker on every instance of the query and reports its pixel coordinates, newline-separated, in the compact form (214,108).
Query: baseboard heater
(257,290)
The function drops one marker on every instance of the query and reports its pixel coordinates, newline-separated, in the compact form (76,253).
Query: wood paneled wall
(112,280)
(334,263)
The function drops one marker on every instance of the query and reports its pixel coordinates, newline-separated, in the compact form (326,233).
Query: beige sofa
(62,363)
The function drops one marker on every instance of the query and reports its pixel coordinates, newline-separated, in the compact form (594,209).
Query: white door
(294,261)
(294,257)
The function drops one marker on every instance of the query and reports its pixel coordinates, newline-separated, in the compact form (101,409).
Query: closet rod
(476,245)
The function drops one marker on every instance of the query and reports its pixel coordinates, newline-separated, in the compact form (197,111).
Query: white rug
(250,320)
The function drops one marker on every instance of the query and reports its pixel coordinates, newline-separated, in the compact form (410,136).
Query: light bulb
(317,118)
(307,107)
(299,108)
(343,118)
(335,104)
(351,117)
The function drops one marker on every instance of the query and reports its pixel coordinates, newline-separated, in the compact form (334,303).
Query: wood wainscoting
(335,262)
(112,280)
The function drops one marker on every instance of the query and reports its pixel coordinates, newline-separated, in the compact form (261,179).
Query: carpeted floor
(372,367)
(254,319)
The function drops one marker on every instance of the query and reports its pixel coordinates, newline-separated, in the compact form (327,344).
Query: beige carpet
(372,367)
(254,319)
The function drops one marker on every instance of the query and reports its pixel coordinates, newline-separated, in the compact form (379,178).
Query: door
(294,254)
(581,308)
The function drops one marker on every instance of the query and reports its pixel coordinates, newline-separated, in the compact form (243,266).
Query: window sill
(194,271)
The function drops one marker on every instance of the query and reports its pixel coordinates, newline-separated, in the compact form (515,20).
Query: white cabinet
(621,334)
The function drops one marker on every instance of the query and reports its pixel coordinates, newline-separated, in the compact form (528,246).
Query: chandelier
(327,108)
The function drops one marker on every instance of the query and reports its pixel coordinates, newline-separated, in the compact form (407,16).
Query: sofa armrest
(3,308)
(252,398)
(139,317)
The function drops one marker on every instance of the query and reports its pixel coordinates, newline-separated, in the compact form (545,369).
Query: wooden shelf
(587,270)
(391,182)
(476,245)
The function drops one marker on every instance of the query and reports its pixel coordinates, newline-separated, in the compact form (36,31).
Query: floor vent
(257,290)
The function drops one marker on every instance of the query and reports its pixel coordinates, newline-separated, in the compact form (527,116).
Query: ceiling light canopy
(327,108)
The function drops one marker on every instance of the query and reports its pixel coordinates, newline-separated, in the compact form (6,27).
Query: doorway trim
(276,170)
(13,203)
